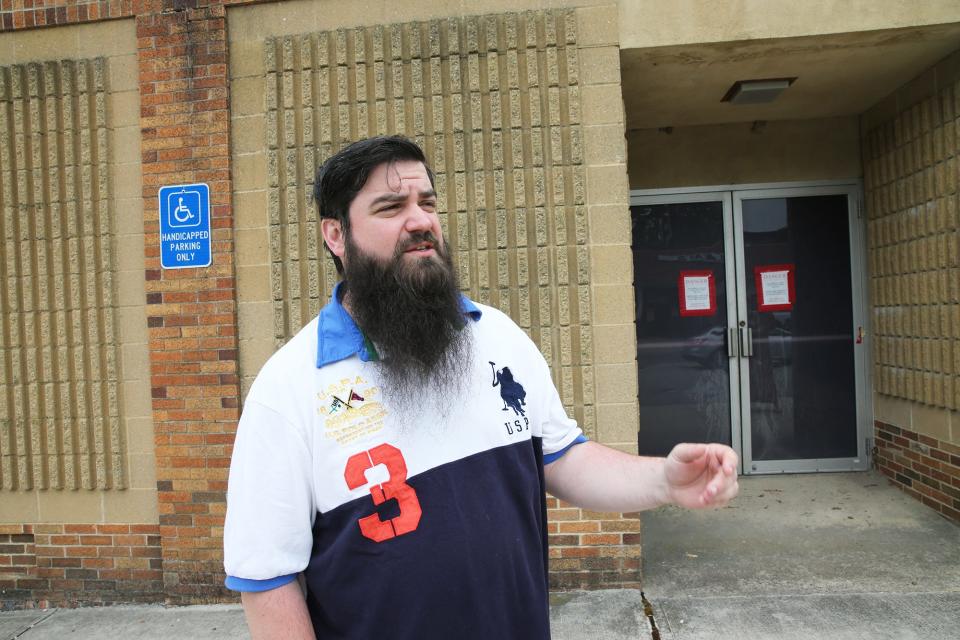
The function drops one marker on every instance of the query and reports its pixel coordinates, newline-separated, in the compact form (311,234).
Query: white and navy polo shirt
(425,527)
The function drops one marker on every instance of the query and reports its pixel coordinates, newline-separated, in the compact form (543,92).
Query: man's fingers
(722,483)
(729,460)
(688,452)
(719,455)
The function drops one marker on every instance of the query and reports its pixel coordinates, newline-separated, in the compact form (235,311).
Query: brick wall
(911,155)
(181,65)
(192,320)
(926,468)
(592,550)
(56,565)
(24,14)
(191,312)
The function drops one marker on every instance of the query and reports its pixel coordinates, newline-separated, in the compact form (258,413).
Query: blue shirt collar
(338,336)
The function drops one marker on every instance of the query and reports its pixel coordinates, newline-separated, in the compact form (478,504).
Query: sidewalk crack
(33,624)
(648,611)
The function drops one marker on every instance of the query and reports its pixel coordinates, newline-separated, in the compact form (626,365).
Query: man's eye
(430,204)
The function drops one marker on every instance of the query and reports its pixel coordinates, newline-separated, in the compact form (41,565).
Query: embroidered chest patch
(350,409)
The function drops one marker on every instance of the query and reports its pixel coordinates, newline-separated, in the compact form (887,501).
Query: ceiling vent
(756,91)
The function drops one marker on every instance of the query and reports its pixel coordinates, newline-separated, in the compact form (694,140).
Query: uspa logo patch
(511,391)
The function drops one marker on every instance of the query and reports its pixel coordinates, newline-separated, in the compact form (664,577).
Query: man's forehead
(401,175)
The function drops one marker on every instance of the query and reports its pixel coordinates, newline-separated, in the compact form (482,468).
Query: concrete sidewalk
(839,556)
(601,615)
(843,556)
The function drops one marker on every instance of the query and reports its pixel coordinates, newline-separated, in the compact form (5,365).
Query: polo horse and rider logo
(511,391)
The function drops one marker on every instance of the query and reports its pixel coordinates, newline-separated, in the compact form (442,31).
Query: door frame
(731,195)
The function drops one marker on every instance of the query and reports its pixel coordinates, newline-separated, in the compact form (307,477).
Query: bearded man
(377,486)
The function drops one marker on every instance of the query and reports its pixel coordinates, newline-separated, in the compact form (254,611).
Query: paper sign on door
(775,287)
(698,293)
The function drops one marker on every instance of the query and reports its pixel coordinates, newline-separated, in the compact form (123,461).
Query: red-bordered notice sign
(775,287)
(698,293)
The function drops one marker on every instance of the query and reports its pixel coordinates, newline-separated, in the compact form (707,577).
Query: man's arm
(278,614)
(599,478)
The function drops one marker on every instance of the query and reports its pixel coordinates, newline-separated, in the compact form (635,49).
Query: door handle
(746,342)
(732,343)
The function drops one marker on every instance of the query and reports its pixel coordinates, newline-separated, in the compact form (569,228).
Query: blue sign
(185,226)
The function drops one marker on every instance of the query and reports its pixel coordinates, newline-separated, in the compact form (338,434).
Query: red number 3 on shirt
(395,487)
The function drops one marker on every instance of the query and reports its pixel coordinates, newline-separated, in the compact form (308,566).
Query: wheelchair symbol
(181,213)
(183,209)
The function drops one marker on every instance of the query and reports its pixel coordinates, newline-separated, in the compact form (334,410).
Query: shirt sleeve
(268,532)
(559,431)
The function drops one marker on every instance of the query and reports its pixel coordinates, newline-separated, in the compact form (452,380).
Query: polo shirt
(425,524)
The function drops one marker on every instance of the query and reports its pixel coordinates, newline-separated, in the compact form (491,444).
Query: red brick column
(191,312)
(592,549)
(26,14)
(923,467)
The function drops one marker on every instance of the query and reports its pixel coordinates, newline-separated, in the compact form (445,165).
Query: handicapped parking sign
(185,226)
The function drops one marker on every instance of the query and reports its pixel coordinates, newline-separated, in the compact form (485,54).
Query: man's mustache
(418,237)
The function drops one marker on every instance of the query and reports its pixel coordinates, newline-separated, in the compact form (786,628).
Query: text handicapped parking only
(185,226)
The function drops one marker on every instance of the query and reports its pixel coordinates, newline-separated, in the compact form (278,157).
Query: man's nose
(418,219)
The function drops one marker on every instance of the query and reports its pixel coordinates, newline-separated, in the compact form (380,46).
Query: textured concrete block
(70,506)
(249,172)
(139,434)
(135,361)
(253,283)
(136,399)
(605,144)
(600,65)
(247,96)
(611,264)
(613,304)
(129,255)
(597,25)
(618,424)
(126,180)
(122,72)
(616,383)
(602,104)
(143,473)
(125,145)
(19,506)
(130,288)
(614,344)
(133,505)
(609,224)
(607,184)
(132,321)
(931,421)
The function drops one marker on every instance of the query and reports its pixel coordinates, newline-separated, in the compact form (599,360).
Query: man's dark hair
(343,175)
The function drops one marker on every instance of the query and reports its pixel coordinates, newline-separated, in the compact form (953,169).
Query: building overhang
(842,74)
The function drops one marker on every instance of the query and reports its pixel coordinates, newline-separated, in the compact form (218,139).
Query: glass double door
(749,327)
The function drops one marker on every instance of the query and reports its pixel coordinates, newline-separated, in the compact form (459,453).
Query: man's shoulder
(494,316)
(289,363)
(497,325)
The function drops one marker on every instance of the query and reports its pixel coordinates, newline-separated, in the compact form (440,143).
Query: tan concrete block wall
(910,151)
(495,101)
(822,149)
(611,265)
(522,118)
(77,441)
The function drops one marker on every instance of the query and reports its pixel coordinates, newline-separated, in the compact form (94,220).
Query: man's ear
(333,236)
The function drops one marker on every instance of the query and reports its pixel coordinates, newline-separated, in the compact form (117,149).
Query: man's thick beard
(411,311)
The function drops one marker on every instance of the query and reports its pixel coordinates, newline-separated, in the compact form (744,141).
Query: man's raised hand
(701,476)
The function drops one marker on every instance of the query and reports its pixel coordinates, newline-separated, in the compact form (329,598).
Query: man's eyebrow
(399,197)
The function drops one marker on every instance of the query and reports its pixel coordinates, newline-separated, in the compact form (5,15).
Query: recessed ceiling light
(756,91)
